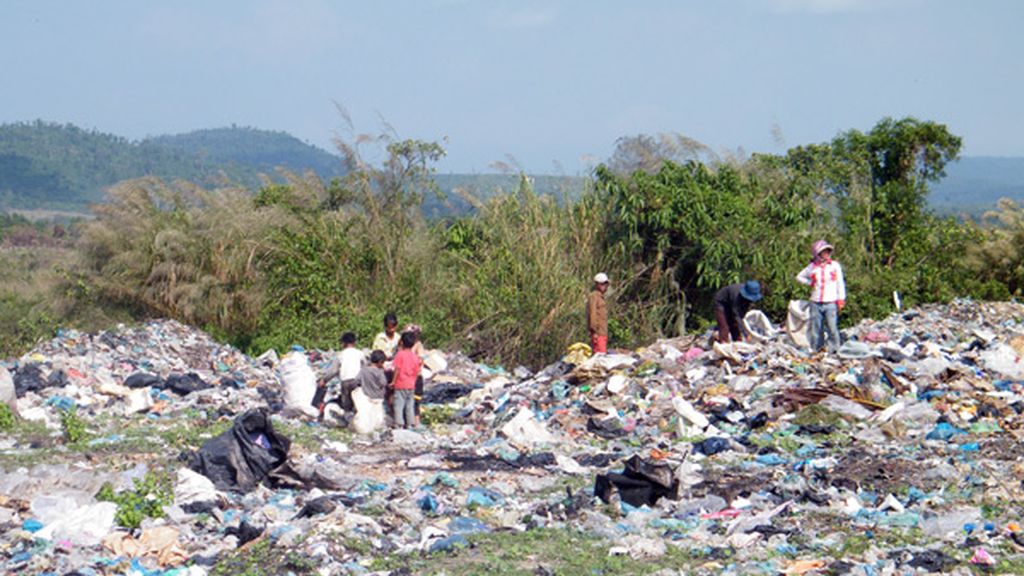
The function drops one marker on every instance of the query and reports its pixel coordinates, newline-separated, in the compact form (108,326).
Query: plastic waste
(74,517)
(712,446)
(524,430)
(299,382)
(854,349)
(944,431)
(483,497)
(191,488)
(759,326)
(369,415)
(8,395)
(981,557)
(1003,360)
(798,323)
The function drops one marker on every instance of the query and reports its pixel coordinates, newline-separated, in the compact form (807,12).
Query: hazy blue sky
(549,83)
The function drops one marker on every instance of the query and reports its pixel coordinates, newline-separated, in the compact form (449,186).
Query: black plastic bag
(240,458)
(641,483)
(143,380)
(28,378)
(608,428)
(185,384)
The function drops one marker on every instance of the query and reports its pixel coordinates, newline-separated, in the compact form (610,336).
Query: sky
(546,86)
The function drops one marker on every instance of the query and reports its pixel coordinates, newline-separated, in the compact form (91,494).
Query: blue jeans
(827,311)
(403,403)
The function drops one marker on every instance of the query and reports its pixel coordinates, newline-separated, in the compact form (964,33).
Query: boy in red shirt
(407,368)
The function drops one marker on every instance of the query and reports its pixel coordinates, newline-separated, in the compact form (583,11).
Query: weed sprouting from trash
(146,499)
(7,420)
(72,426)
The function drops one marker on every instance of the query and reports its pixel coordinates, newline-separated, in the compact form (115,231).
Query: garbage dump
(155,450)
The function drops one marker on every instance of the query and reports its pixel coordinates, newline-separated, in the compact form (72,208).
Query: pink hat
(819,247)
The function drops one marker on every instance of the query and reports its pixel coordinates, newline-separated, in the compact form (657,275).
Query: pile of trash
(898,454)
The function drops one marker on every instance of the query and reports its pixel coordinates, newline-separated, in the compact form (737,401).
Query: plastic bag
(524,430)
(369,413)
(759,326)
(798,323)
(73,516)
(299,383)
(7,394)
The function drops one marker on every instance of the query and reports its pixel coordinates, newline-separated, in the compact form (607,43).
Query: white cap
(601,278)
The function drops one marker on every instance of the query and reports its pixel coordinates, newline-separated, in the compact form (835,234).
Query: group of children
(394,368)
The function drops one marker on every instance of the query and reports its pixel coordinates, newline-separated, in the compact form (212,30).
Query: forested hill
(53,165)
(62,166)
(262,150)
(975,183)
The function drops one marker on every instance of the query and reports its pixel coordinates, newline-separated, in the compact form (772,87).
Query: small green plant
(6,418)
(72,426)
(431,414)
(146,500)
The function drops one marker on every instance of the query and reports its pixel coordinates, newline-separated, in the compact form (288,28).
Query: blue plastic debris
(429,503)
(483,497)
(32,525)
(770,459)
(467,525)
(61,402)
(449,544)
(944,431)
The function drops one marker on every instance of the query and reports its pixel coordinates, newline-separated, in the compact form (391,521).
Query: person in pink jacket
(828,295)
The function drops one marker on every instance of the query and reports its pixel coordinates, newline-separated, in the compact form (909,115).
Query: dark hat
(751,290)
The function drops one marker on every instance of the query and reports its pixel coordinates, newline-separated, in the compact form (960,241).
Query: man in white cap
(597,314)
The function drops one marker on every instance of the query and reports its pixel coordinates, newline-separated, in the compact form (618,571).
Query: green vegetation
(72,426)
(262,559)
(7,420)
(146,500)
(63,166)
(560,552)
(305,259)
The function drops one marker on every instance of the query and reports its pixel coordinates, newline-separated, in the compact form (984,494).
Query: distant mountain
(48,165)
(251,148)
(64,167)
(974,184)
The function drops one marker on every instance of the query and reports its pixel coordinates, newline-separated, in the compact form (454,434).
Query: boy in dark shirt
(731,305)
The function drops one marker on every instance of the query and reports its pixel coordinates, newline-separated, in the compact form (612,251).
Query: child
(420,352)
(407,368)
(828,295)
(368,396)
(387,341)
(345,366)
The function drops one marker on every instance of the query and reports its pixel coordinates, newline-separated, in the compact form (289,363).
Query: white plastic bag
(524,430)
(73,516)
(758,326)
(191,487)
(7,393)
(369,413)
(299,382)
(798,323)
